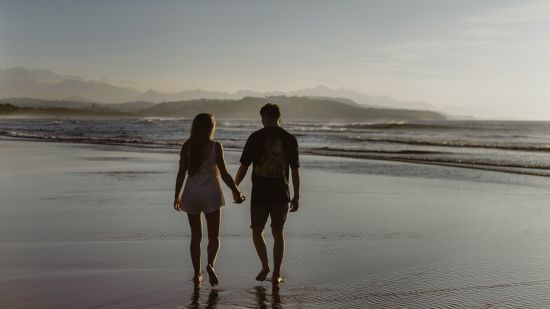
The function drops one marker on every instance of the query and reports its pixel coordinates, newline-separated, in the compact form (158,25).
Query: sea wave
(364,126)
(427,156)
(304,126)
(438,158)
(392,125)
(457,143)
(230,143)
(120,140)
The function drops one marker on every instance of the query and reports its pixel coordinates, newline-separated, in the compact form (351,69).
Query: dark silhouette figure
(195,297)
(210,303)
(202,159)
(263,301)
(272,151)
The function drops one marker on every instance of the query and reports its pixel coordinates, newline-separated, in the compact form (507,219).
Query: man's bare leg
(278,253)
(259,244)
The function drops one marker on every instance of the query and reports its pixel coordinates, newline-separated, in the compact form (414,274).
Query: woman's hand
(177,202)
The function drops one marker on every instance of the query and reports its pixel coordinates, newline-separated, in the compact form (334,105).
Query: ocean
(509,146)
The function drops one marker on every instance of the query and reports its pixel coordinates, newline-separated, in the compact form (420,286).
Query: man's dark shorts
(260,213)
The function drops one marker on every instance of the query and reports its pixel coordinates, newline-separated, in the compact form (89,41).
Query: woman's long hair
(202,131)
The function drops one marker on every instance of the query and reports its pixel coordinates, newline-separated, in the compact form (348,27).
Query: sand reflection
(263,300)
(211,302)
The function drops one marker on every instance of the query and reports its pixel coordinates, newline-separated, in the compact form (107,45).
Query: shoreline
(365,155)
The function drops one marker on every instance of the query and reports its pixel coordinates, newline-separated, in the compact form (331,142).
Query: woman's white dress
(202,191)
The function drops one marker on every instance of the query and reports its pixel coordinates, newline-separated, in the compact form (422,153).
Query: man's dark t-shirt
(271,150)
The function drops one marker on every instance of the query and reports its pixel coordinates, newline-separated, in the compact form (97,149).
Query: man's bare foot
(262,275)
(212,277)
(197,278)
(276,278)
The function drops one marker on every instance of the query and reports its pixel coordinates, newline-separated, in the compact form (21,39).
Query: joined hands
(238,197)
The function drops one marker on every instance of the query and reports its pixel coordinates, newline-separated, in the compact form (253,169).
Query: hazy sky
(491,58)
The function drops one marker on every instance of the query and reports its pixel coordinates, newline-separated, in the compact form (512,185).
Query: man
(271,150)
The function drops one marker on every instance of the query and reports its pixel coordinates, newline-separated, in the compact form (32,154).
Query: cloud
(492,42)
(495,60)
(519,13)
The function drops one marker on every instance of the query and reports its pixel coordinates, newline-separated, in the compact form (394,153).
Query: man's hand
(294,204)
(177,204)
(238,197)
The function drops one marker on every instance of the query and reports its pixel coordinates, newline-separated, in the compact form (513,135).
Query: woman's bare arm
(180,178)
(220,162)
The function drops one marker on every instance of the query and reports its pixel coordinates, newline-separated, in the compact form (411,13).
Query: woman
(202,159)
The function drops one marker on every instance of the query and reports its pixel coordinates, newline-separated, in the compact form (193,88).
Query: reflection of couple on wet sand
(273,152)
(260,295)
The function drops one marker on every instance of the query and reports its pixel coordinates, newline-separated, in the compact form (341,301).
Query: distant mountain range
(43,84)
(245,108)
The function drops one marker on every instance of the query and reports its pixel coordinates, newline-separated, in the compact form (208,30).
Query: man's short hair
(271,111)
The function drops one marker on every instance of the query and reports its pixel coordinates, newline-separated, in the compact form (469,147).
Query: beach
(92,226)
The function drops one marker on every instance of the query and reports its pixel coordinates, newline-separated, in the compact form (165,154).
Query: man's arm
(240,174)
(246,159)
(294,167)
(295,204)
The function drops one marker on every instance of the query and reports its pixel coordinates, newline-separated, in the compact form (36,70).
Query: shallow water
(92,226)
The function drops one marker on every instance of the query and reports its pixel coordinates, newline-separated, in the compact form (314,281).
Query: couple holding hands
(272,151)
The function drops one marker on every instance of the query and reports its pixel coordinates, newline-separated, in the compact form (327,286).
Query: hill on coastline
(7,109)
(246,108)
(292,108)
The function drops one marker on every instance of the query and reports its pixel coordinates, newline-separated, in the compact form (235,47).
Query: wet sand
(91,226)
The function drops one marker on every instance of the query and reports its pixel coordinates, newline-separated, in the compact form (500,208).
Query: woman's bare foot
(276,278)
(213,278)
(197,278)
(263,273)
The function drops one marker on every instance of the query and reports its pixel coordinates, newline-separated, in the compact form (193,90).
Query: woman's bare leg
(213,224)
(195,247)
